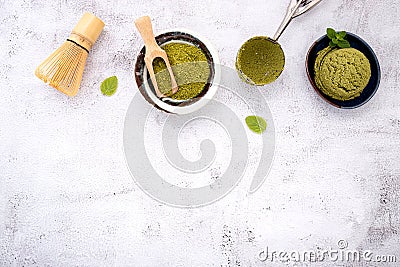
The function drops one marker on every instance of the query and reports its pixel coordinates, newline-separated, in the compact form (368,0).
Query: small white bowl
(191,105)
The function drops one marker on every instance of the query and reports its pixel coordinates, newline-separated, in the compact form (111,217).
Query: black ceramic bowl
(373,84)
(191,105)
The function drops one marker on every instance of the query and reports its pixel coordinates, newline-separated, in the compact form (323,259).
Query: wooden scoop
(153,51)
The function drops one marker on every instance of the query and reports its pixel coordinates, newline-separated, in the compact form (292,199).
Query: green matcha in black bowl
(196,68)
(344,77)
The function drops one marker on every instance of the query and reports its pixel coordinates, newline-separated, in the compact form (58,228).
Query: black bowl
(373,84)
(184,107)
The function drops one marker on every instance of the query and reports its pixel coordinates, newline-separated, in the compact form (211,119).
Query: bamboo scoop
(153,50)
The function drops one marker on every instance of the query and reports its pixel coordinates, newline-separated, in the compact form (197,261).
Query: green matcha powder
(260,61)
(190,67)
(343,73)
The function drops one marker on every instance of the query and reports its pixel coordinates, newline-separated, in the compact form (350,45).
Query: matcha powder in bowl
(196,67)
(342,73)
(260,61)
(190,68)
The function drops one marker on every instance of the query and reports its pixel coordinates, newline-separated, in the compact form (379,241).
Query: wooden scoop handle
(143,24)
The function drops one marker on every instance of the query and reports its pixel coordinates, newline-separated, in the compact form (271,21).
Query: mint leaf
(337,38)
(342,34)
(331,33)
(343,44)
(256,123)
(109,86)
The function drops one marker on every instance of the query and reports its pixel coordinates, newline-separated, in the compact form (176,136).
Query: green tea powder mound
(342,73)
(190,67)
(260,60)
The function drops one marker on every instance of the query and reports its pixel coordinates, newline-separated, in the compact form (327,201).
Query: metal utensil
(295,9)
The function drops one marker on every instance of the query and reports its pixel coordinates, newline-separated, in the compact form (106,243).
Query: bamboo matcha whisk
(63,69)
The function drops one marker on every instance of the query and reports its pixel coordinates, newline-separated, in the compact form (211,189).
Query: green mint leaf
(256,124)
(343,44)
(109,86)
(342,34)
(331,33)
(339,37)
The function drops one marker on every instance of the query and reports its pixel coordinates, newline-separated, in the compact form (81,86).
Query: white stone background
(66,195)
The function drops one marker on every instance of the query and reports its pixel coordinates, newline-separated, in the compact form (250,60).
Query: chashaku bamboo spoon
(153,50)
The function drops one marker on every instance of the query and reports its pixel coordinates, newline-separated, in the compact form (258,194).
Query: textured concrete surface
(66,195)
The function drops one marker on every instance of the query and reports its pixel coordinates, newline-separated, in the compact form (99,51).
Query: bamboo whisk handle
(89,27)
(86,32)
